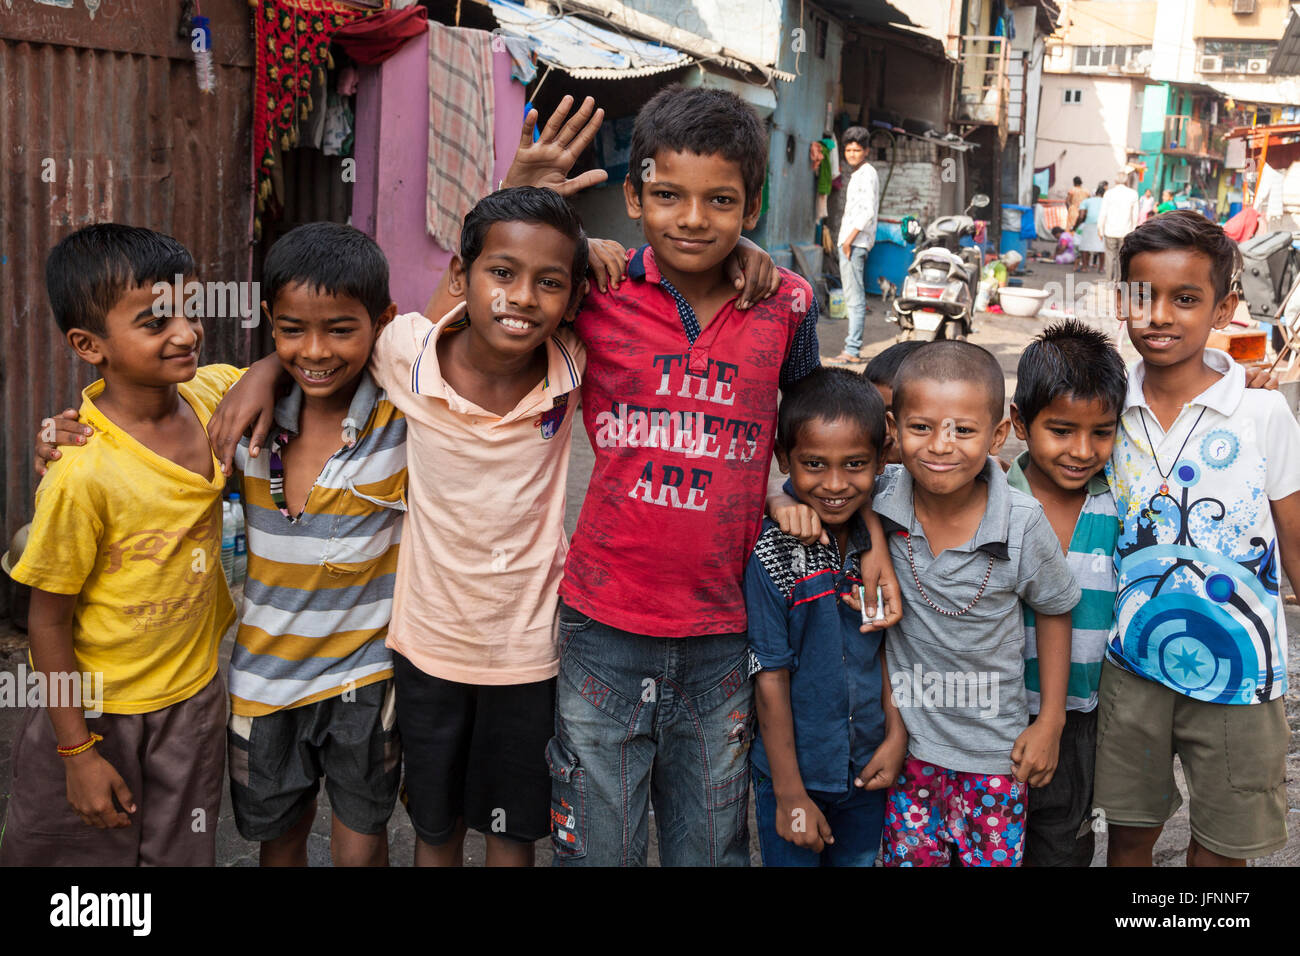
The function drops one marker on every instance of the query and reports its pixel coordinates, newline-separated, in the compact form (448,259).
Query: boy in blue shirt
(830,739)
(1206,476)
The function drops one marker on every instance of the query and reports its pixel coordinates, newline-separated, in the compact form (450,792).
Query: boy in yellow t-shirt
(128,593)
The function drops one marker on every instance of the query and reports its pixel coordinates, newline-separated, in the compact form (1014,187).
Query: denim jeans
(853,273)
(641,719)
(856,819)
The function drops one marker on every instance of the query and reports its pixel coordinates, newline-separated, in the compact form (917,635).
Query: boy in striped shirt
(310,678)
(1069,391)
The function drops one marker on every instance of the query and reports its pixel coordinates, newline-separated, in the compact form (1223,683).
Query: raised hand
(546,163)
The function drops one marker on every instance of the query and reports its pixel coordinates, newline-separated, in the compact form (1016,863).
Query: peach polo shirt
(483,547)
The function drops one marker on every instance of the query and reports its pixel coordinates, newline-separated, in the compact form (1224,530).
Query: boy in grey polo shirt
(968,548)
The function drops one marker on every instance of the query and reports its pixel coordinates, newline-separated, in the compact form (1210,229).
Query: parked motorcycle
(1270,270)
(939,289)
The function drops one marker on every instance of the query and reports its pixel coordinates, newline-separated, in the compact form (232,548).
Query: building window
(820,28)
(1073,96)
(1101,57)
(1240,56)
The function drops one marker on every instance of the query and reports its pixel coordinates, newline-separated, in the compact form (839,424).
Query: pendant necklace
(1164,475)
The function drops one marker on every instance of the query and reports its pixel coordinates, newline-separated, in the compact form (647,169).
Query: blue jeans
(642,718)
(856,819)
(853,279)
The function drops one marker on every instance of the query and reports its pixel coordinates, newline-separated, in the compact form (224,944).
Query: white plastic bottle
(241,540)
(227,541)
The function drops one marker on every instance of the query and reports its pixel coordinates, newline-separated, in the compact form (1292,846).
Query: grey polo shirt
(959,681)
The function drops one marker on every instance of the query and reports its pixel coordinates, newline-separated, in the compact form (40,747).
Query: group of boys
(412,601)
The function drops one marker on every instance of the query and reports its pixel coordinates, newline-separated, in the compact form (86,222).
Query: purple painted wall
(392,144)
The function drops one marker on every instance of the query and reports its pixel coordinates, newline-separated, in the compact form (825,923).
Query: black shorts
(1056,832)
(278,759)
(476,752)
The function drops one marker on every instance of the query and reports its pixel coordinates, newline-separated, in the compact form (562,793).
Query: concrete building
(1159,83)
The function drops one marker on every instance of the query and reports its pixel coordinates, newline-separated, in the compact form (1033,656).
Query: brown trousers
(173,761)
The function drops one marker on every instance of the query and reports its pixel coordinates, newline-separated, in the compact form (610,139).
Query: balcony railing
(1185,136)
(981,94)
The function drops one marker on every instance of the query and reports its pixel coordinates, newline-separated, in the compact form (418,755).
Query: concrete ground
(1005,336)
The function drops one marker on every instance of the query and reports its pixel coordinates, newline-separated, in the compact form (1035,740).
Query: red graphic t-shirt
(682,423)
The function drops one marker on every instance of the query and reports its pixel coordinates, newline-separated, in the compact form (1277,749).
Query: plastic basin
(1022,302)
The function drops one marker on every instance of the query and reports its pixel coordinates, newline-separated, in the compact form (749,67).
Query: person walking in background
(857,235)
(1118,217)
(1074,198)
(1089,245)
(1146,207)
(1166,202)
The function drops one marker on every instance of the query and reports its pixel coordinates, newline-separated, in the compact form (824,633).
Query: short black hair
(1078,180)
(882,369)
(832,395)
(525,204)
(1184,229)
(89,271)
(950,361)
(857,134)
(329,258)
(705,122)
(1069,359)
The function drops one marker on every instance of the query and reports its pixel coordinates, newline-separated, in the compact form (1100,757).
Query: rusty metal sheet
(147,27)
(92,134)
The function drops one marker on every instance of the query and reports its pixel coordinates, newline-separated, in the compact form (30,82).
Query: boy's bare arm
(886,764)
(1286,517)
(798,819)
(92,781)
(1036,750)
(250,401)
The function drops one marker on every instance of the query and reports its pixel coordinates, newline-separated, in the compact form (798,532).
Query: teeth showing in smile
(834,502)
(316,376)
(517,324)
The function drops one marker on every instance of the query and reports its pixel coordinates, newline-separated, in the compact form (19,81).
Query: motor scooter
(1270,270)
(939,289)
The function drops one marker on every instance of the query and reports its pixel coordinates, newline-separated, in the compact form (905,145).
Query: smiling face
(946,431)
(1070,440)
(692,209)
(833,467)
(1170,326)
(519,288)
(322,339)
(147,339)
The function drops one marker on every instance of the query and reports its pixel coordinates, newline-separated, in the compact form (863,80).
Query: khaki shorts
(1233,757)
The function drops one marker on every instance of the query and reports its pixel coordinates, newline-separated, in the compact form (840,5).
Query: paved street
(1005,337)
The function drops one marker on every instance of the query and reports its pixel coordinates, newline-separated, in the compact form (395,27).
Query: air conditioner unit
(1182,174)
(1210,64)
(1133,66)
(1243,6)
(1257,65)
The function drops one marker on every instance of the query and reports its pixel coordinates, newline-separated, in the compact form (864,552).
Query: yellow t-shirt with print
(138,539)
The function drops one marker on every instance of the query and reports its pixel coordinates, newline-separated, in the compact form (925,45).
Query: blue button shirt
(798,622)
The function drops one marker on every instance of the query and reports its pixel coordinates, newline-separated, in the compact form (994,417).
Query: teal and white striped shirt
(1091,557)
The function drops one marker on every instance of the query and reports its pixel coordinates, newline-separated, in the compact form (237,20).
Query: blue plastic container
(1012,241)
(888,259)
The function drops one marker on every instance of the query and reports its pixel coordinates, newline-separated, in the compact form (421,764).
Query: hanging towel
(374,39)
(460,128)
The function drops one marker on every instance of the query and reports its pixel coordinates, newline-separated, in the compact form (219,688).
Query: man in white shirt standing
(857,236)
(1118,217)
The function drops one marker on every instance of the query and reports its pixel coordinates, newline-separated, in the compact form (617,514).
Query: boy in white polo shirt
(1206,476)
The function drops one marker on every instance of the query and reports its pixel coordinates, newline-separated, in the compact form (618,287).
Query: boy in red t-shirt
(654,700)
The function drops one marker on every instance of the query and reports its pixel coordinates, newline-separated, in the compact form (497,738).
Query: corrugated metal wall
(101,119)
